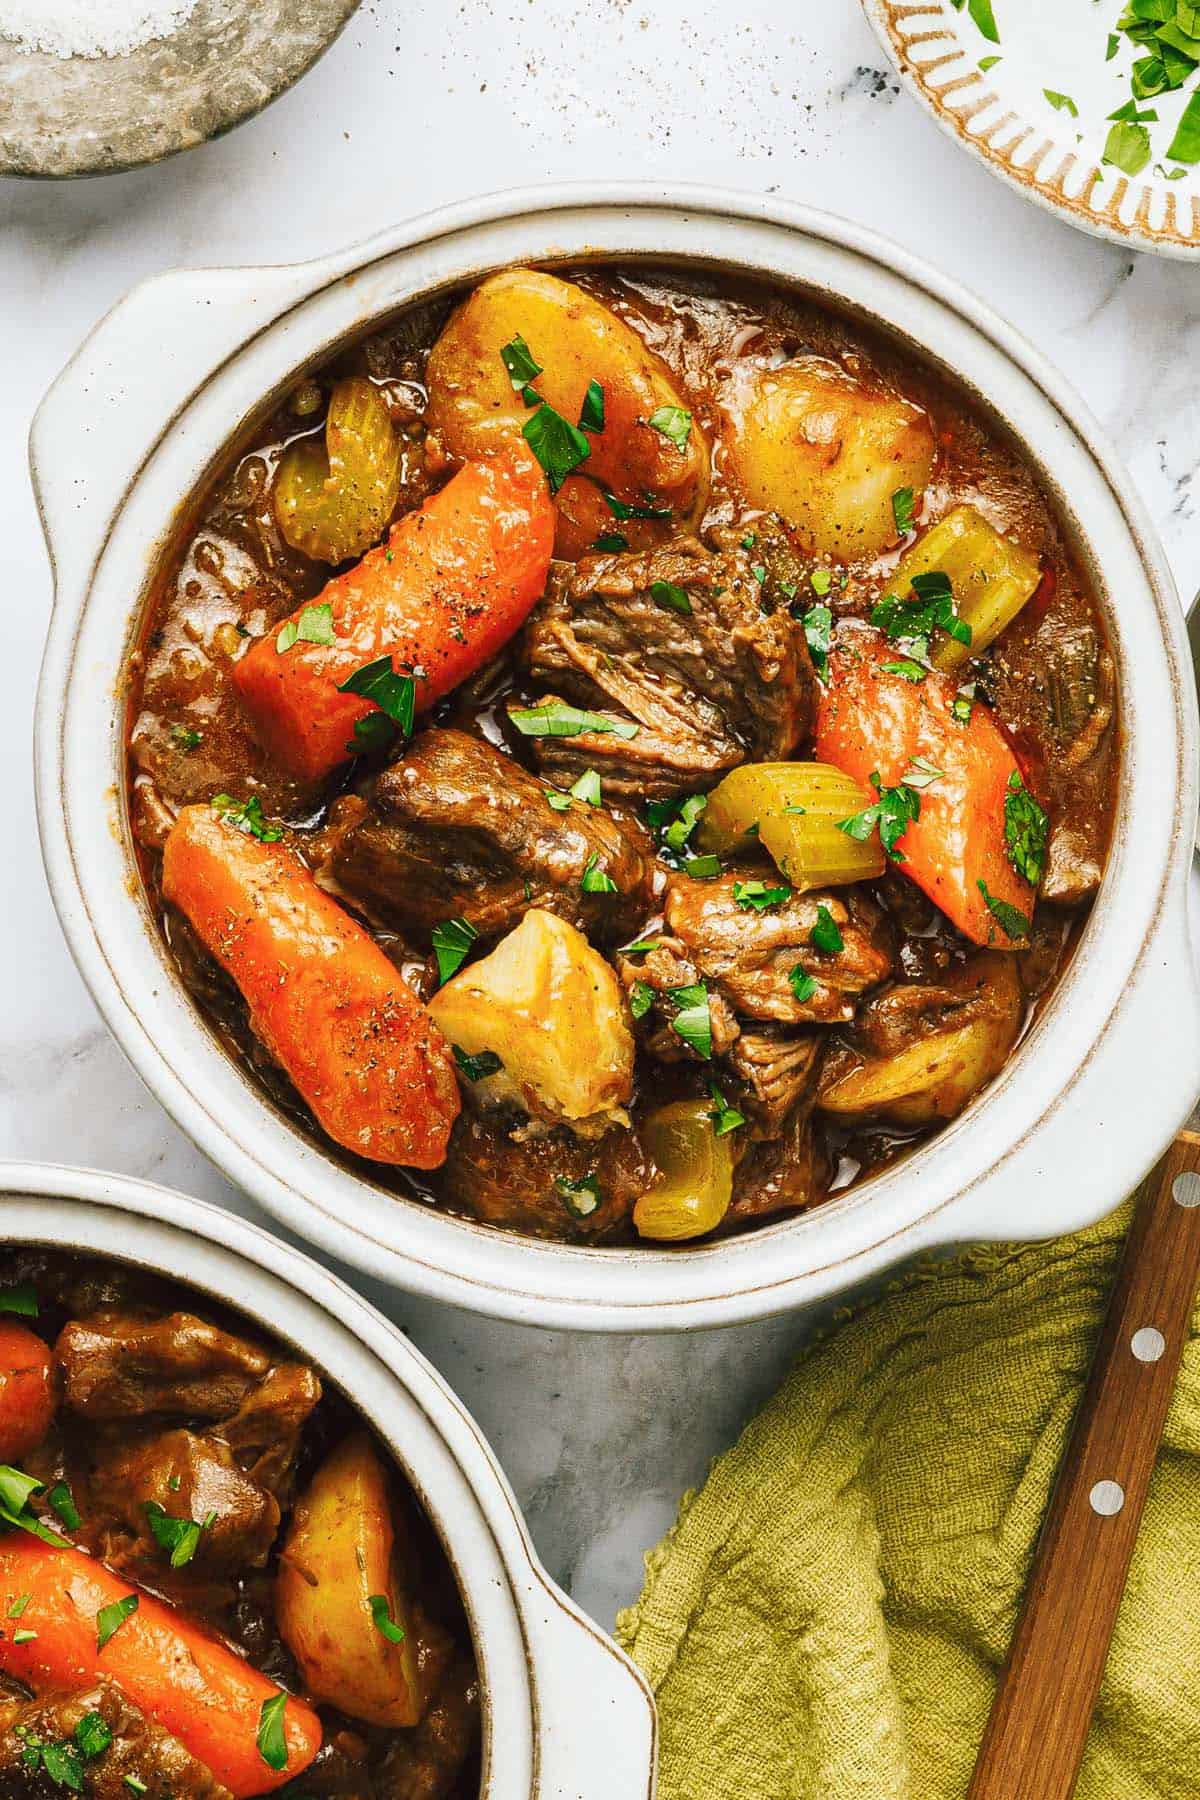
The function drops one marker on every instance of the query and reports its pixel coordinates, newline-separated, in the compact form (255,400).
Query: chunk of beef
(751,955)
(190,1477)
(142,1758)
(458,828)
(424,1764)
(707,687)
(119,1365)
(510,1177)
(665,969)
(779,1174)
(1055,684)
(779,1069)
(907,1013)
(265,1431)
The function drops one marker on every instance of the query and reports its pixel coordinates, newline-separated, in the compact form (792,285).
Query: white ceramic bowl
(137,422)
(566,1714)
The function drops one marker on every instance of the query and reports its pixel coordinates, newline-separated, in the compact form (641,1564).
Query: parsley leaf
(478,1067)
(913,622)
(1011,919)
(394,695)
(803,984)
(381,1614)
(625,509)
(641,999)
(313,626)
(611,540)
(591,413)
(110,1618)
(896,808)
(558,445)
(675,423)
(693,1018)
(272,1744)
(1061,102)
(21,1299)
(670,595)
(821,580)
(902,510)
(452,940)
(558,802)
(818,631)
(675,820)
(725,1118)
(181,1537)
(581,1198)
(703,868)
(757,896)
(587,788)
(1127,147)
(246,816)
(16,1488)
(825,934)
(92,1734)
(518,359)
(61,1501)
(556,719)
(594,880)
(1026,829)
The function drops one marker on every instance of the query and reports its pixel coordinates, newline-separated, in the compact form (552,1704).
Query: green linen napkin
(826,1619)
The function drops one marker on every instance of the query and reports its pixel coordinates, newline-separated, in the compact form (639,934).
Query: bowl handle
(1096,1136)
(597,1726)
(126,385)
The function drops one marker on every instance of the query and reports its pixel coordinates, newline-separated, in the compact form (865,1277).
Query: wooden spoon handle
(1035,1738)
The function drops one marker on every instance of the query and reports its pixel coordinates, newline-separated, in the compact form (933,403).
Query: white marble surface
(423,103)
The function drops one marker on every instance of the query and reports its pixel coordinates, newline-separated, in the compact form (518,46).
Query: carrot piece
(26,1390)
(869,720)
(454,582)
(324,999)
(189,1683)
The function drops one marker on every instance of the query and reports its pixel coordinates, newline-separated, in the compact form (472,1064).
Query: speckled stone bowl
(93,115)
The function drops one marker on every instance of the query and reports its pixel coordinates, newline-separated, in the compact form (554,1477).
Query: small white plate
(1002,115)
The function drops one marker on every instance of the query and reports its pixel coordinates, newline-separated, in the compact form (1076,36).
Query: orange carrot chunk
(324,999)
(187,1682)
(874,722)
(453,583)
(26,1390)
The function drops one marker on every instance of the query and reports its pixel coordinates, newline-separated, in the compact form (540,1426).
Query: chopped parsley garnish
(24,1636)
(963,703)
(246,816)
(818,629)
(557,719)
(702,868)
(587,788)
(62,1762)
(591,413)
(519,360)
(693,1018)
(641,999)
(803,985)
(581,1198)
(558,445)
(479,1066)
(135,1784)
(92,1734)
(61,1501)
(21,1299)
(594,880)
(1061,102)
(1026,829)
(639,948)
(452,940)
(186,738)
(16,1489)
(981,12)
(921,774)
(1185,145)
(558,802)
(612,541)
(675,423)
(1011,919)
(825,934)
(1127,147)
(893,813)
(272,1744)
(180,1537)
(906,668)
(913,622)
(675,820)
(759,572)
(902,510)
(988,62)
(18,1606)
(626,509)
(381,1615)
(313,626)
(725,1118)
(756,896)
(110,1618)
(821,580)
(670,595)
(394,695)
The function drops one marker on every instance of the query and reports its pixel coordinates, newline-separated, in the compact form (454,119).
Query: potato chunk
(827,452)
(337,1560)
(939,1046)
(550,1008)
(575,340)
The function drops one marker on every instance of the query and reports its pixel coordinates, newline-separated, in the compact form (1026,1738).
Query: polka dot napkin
(827,1617)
